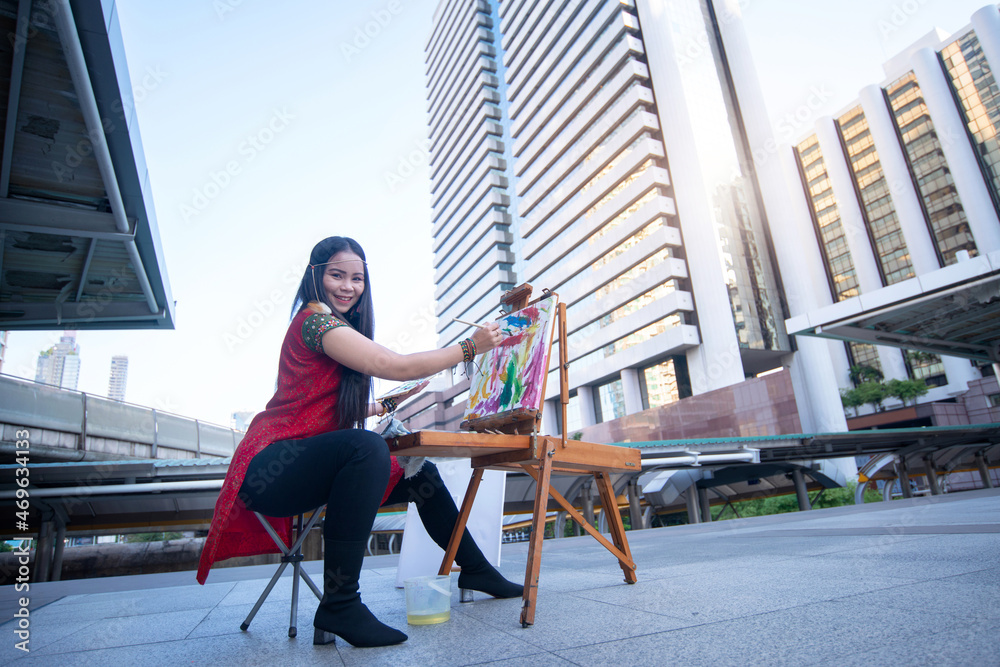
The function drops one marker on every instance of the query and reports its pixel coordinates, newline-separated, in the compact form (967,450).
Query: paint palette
(401,389)
(511,377)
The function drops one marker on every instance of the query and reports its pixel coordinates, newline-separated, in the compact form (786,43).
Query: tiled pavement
(905,583)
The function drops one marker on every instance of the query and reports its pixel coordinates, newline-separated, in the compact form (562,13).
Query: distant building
(241,420)
(619,154)
(60,364)
(899,194)
(601,150)
(119,377)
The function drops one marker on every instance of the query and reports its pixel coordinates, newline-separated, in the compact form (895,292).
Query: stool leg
(292,630)
(296,557)
(263,596)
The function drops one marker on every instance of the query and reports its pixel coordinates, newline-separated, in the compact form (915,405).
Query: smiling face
(344,280)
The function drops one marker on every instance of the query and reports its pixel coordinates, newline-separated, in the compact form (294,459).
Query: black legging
(435,505)
(348,471)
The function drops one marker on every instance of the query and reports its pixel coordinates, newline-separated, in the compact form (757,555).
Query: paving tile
(130,603)
(975,643)
(972,596)
(270,621)
(801,635)
(859,585)
(246,650)
(534,660)
(245,593)
(42,634)
(716,595)
(462,640)
(127,631)
(210,593)
(565,620)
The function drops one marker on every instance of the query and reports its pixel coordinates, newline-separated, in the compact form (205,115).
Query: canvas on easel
(504,409)
(509,380)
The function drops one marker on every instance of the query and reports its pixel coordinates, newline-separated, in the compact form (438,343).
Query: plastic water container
(428,599)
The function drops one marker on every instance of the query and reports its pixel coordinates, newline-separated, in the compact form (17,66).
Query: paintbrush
(473,324)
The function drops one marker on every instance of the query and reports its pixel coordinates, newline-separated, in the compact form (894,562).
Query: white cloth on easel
(420,556)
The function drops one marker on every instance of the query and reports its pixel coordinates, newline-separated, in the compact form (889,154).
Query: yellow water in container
(428,619)
(428,599)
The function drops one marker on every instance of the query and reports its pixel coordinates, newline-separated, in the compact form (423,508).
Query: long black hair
(355,388)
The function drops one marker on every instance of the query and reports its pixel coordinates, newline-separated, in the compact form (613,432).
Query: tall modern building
(241,419)
(119,377)
(60,364)
(603,149)
(897,197)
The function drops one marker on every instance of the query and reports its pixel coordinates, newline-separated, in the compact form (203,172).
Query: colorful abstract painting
(510,376)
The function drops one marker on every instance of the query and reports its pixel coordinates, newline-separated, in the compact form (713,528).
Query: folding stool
(293,555)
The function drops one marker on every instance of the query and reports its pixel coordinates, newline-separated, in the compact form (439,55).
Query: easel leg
(463,518)
(537,535)
(614,519)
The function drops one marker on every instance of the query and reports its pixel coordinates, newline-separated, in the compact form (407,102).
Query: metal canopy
(79,245)
(960,319)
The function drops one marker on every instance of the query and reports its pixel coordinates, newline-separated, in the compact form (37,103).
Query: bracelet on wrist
(389,405)
(468,349)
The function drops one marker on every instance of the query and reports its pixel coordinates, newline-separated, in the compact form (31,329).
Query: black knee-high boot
(439,513)
(341,611)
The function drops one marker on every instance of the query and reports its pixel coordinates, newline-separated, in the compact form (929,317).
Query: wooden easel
(511,441)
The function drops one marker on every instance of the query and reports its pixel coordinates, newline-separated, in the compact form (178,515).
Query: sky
(268,126)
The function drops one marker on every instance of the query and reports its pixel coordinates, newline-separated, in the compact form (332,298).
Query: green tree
(872,393)
(152,537)
(851,399)
(921,357)
(864,373)
(908,391)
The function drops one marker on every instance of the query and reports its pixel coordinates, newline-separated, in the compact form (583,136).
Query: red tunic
(304,405)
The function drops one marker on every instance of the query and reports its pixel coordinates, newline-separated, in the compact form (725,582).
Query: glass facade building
(903,183)
(938,196)
(826,219)
(975,86)
(470,194)
(550,166)
(881,220)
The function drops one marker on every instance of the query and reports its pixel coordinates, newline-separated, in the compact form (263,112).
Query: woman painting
(309,447)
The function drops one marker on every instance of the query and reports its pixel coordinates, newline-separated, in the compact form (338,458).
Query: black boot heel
(465,595)
(488,580)
(341,612)
(321,637)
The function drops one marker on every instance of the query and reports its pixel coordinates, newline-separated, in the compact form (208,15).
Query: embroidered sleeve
(313,328)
